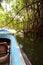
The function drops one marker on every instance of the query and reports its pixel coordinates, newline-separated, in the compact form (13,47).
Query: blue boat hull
(15,54)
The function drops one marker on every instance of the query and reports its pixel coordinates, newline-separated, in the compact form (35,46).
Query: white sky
(7,6)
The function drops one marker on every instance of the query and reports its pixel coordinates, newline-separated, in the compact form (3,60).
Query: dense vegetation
(26,17)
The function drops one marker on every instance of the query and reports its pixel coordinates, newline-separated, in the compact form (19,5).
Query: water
(33,49)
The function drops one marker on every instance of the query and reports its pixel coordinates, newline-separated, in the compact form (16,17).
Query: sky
(7,6)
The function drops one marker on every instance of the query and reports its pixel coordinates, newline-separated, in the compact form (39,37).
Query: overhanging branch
(19,11)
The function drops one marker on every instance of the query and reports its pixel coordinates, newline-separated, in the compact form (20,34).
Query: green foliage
(26,20)
(8,16)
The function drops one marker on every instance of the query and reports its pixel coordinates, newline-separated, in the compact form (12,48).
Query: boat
(10,53)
